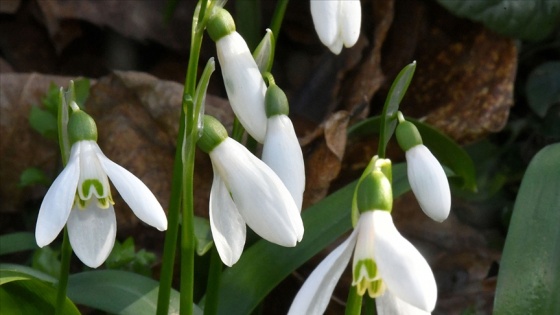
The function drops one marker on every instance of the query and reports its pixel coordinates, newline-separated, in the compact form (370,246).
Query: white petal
(336,46)
(261,198)
(389,304)
(282,152)
(401,266)
(92,233)
(315,294)
(228,227)
(58,201)
(428,182)
(350,21)
(135,193)
(325,16)
(91,169)
(364,246)
(244,84)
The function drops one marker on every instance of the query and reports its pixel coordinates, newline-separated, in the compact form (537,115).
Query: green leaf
(17,242)
(21,293)
(529,276)
(119,292)
(44,122)
(264,265)
(543,87)
(203,235)
(124,257)
(33,176)
(81,90)
(47,260)
(523,19)
(444,148)
(391,106)
(51,99)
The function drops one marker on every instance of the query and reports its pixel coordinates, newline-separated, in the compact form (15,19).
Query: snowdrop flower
(281,149)
(245,191)
(425,175)
(337,22)
(81,197)
(244,84)
(384,264)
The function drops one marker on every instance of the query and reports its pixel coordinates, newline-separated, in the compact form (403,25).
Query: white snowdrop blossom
(425,174)
(385,265)
(428,182)
(81,198)
(337,22)
(281,149)
(243,81)
(246,191)
(282,152)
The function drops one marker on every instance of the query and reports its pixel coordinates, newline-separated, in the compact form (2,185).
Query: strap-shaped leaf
(529,276)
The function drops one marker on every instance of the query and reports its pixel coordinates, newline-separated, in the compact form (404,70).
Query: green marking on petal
(376,288)
(365,277)
(88,184)
(368,266)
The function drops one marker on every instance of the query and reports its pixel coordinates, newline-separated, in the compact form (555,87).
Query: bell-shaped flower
(385,264)
(245,191)
(425,174)
(337,22)
(244,84)
(81,197)
(281,149)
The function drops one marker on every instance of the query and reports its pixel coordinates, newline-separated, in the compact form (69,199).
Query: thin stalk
(66,249)
(278,17)
(170,243)
(182,193)
(369,306)
(66,252)
(187,234)
(213,287)
(354,302)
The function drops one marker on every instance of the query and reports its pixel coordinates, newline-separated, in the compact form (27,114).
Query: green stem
(183,167)
(369,306)
(66,252)
(170,243)
(354,302)
(187,234)
(213,287)
(277,18)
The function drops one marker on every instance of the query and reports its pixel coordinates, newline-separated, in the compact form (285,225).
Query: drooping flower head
(384,263)
(337,22)
(281,149)
(81,197)
(245,191)
(244,84)
(425,174)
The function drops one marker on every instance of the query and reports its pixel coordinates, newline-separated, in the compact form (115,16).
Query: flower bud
(407,135)
(213,133)
(220,24)
(276,101)
(81,127)
(374,192)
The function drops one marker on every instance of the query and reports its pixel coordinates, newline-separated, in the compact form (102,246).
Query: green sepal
(408,135)
(374,192)
(213,133)
(276,101)
(81,127)
(220,24)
